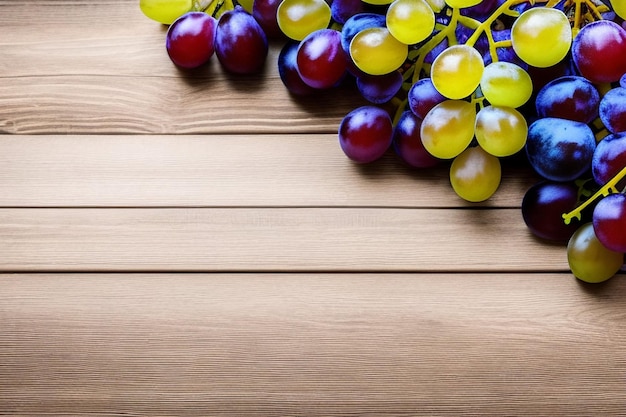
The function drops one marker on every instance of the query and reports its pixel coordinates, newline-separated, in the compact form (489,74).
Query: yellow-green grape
(501,131)
(459,4)
(475,175)
(448,128)
(376,52)
(541,36)
(506,84)
(456,72)
(246,4)
(619,7)
(437,5)
(410,21)
(298,18)
(589,260)
(165,11)
(378,2)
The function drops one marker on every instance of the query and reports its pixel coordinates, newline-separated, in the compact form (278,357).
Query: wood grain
(314,345)
(271,239)
(220,170)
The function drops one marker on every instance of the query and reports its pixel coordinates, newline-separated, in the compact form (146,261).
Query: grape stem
(608,188)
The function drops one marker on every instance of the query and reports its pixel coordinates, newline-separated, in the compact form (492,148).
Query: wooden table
(196,244)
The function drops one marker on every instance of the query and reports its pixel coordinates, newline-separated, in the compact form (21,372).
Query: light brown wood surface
(196,244)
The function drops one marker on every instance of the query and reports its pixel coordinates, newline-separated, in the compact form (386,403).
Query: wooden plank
(314,345)
(271,239)
(74,67)
(221,170)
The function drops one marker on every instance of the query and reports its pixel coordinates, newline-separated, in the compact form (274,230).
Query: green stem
(608,188)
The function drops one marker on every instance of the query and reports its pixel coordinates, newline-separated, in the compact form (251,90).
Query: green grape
(299,18)
(588,259)
(541,36)
(378,2)
(410,21)
(246,4)
(475,175)
(456,72)
(376,52)
(619,7)
(506,84)
(165,11)
(448,128)
(459,4)
(501,131)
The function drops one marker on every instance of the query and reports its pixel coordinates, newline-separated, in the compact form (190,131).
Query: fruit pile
(460,82)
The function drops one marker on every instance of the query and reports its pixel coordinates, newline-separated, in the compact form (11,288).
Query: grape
(475,175)
(288,70)
(560,149)
(240,43)
(189,40)
(407,142)
(599,51)
(609,158)
(165,11)
(619,7)
(541,36)
(613,110)
(504,53)
(376,52)
(423,96)
(622,81)
(410,21)
(365,134)
(379,89)
(588,259)
(298,18)
(378,2)
(462,3)
(321,61)
(342,10)
(448,128)
(501,131)
(264,11)
(358,23)
(543,206)
(568,97)
(506,84)
(609,222)
(481,9)
(457,71)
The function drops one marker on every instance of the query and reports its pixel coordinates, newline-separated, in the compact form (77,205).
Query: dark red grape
(609,222)
(560,149)
(599,51)
(423,96)
(240,43)
(609,158)
(569,97)
(189,39)
(613,110)
(264,11)
(365,134)
(407,142)
(379,89)
(543,206)
(321,61)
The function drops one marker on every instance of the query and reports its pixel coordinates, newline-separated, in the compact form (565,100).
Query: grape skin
(189,41)
(599,51)
(589,259)
(613,110)
(609,222)
(240,43)
(568,97)
(609,158)
(475,175)
(407,142)
(365,134)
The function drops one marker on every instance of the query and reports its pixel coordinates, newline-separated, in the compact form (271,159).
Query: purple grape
(379,89)
(543,206)
(622,81)
(321,61)
(189,39)
(264,11)
(357,23)
(613,110)
(609,222)
(560,149)
(342,10)
(288,70)
(609,158)
(570,97)
(240,43)
(482,10)
(407,142)
(365,134)
(423,96)
(599,51)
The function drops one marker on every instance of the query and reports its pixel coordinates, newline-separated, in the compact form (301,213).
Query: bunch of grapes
(459,82)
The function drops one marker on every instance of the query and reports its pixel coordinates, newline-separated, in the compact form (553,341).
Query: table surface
(196,244)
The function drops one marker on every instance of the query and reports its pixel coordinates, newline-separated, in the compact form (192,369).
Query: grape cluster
(465,83)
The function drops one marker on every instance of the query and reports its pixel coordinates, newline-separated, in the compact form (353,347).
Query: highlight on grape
(459,83)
